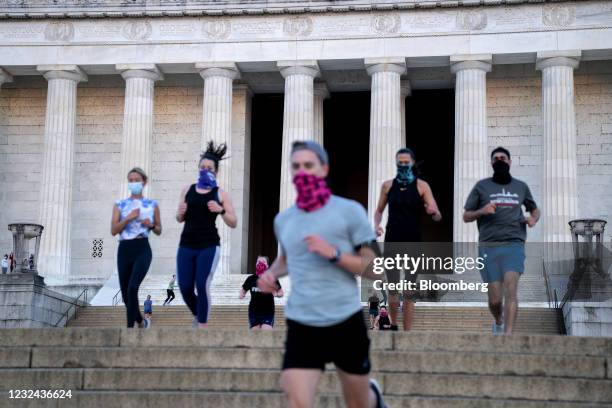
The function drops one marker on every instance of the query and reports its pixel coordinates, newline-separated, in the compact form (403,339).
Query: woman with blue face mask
(200,245)
(133,218)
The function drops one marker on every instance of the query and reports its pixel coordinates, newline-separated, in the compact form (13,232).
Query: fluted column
(320,94)
(57,168)
(405,91)
(471,146)
(217,126)
(137,142)
(5,77)
(559,166)
(298,117)
(385,123)
(241,163)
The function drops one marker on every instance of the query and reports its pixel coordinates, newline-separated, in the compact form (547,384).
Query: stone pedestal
(57,168)
(386,136)
(26,302)
(471,146)
(559,167)
(136,146)
(298,117)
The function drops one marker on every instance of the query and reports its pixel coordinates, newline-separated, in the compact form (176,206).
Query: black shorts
(393,274)
(345,344)
(257,320)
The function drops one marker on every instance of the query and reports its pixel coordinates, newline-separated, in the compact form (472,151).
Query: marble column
(471,146)
(137,142)
(57,169)
(241,164)
(320,94)
(405,91)
(298,117)
(5,77)
(217,126)
(559,165)
(385,124)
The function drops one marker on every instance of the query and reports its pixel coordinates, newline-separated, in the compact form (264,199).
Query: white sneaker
(380,402)
(497,329)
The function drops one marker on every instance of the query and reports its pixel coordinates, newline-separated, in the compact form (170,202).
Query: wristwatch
(222,212)
(336,256)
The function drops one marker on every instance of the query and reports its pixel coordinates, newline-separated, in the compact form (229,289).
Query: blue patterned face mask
(136,187)
(405,174)
(207,179)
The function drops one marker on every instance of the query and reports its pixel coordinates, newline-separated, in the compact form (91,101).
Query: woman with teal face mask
(133,218)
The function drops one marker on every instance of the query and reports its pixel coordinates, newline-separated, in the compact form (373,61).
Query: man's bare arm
(279,267)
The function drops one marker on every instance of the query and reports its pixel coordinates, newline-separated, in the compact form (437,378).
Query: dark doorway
(430,133)
(347,133)
(266,142)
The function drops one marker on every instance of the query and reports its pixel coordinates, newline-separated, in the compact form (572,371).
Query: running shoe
(380,402)
(497,329)
(194,323)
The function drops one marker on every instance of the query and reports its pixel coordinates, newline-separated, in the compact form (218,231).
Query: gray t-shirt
(322,293)
(507,223)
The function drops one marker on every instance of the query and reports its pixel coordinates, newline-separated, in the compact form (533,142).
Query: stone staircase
(161,367)
(437,318)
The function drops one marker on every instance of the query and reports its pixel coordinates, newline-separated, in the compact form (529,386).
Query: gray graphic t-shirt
(322,293)
(507,223)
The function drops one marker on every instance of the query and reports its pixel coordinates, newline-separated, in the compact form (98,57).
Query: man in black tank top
(406,196)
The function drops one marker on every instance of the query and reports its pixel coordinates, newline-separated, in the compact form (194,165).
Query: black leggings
(170,297)
(133,261)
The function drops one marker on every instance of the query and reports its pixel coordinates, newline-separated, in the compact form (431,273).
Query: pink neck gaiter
(312,191)
(260,267)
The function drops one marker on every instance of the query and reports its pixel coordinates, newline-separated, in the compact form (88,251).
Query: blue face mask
(207,179)
(405,174)
(136,187)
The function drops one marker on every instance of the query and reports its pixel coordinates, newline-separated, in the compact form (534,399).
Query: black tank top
(200,230)
(405,207)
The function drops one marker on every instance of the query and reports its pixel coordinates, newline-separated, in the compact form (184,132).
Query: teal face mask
(136,187)
(405,174)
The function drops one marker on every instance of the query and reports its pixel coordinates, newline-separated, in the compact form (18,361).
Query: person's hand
(135,213)
(147,223)
(241,295)
(429,210)
(267,282)
(530,221)
(214,206)
(182,209)
(319,246)
(488,209)
(379,231)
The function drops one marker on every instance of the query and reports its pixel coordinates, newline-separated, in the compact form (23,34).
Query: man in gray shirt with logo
(325,242)
(496,203)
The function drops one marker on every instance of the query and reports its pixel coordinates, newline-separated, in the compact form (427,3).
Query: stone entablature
(511,34)
(177,8)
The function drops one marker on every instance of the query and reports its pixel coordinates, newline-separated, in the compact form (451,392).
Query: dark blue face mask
(405,174)
(207,179)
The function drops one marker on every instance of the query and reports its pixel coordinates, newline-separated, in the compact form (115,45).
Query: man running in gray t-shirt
(325,242)
(496,204)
